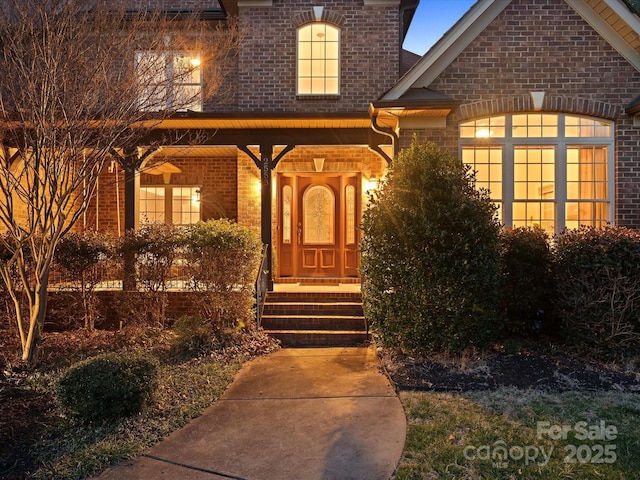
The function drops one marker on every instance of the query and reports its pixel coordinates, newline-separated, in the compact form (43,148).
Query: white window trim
(339,74)
(168,202)
(561,142)
(170,82)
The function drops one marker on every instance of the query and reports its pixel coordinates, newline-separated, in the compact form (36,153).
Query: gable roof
(615,20)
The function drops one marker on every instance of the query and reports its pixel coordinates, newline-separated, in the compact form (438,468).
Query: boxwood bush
(527,281)
(222,259)
(430,256)
(598,286)
(109,386)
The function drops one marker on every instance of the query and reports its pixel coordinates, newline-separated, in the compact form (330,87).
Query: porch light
(195,62)
(483,133)
(372,185)
(195,198)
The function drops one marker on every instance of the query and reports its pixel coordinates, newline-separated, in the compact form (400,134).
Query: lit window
(486,163)
(318,59)
(170,204)
(492,127)
(547,170)
(152,205)
(535,125)
(169,81)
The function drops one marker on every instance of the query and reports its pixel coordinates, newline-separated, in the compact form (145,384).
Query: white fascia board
(625,14)
(447,49)
(607,32)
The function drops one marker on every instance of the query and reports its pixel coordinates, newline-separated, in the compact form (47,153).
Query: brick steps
(300,319)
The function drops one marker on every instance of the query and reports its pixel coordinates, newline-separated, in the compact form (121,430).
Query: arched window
(318,59)
(546,169)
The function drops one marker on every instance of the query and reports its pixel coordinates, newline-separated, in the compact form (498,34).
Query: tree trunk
(37,314)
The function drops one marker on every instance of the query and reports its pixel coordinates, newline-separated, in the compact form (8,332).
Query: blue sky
(431,20)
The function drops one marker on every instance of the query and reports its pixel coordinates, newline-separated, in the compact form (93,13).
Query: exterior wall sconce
(195,198)
(371,187)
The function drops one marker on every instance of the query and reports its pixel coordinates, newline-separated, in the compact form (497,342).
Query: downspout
(389,132)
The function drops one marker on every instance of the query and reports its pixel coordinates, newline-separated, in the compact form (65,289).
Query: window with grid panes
(546,169)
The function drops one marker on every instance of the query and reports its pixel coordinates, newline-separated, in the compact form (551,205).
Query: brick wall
(543,45)
(369,56)
(216,177)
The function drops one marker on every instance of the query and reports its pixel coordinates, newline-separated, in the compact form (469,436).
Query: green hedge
(430,256)
(598,289)
(527,281)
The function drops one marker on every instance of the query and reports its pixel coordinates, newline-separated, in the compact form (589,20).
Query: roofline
(608,33)
(454,41)
(481,14)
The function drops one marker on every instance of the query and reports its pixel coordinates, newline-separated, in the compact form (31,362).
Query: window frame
(299,77)
(169,85)
(561,144)
(169,203)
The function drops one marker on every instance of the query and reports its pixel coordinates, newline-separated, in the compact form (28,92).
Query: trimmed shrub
(430,256)
(222,258)
(527,280)
(155,248)
(79,257)
(598,284)
(109,386)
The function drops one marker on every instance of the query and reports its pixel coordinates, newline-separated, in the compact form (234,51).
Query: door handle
(299,233)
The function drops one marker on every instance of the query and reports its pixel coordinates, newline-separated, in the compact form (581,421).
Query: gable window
(169,81)
(549,170)
(318,59)
(177,205)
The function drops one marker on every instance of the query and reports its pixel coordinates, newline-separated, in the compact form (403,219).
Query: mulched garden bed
(530,368)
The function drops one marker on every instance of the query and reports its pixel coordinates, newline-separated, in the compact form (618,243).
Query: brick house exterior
(505,61)
(580,58)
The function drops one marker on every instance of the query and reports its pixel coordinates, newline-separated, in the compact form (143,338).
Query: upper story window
(550,170)
(169,81)
(318,59)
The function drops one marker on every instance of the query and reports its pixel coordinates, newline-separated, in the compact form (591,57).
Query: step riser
(303,319)
(305,323)
(314,297)
(312,309)
(319,339)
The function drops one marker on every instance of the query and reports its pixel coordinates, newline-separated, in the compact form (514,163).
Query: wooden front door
(318,215)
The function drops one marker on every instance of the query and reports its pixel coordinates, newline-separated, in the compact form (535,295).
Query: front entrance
(317,228)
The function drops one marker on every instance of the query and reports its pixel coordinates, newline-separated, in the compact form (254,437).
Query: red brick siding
(369,56)
(217,180)
(544,45)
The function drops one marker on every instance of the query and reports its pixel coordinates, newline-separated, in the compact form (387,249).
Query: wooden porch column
(131,166)
(266,165)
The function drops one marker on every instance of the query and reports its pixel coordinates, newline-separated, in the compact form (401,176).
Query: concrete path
(298,414)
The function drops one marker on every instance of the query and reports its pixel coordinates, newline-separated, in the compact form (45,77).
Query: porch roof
(279,128)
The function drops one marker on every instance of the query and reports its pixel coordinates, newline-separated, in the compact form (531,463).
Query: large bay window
(169,81)
(318,59)
(178,205)
(549,170)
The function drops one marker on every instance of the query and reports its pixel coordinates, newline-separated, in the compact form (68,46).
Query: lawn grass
(459,435)
(73,450)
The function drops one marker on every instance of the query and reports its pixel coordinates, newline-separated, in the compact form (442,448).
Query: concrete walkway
(297,414)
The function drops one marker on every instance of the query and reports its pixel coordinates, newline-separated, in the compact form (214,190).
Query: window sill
(317,97)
